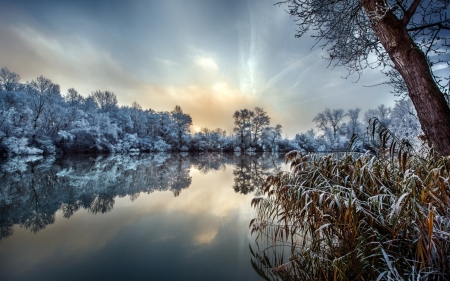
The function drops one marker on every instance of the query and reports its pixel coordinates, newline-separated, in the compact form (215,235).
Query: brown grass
(357,217)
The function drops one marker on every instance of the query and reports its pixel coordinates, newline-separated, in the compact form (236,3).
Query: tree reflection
(6,227)
(102,203)
(251,170)
(69,208)
(36,220)
(242,176)
(33,189)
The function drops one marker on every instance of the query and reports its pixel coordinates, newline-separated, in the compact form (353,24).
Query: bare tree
(407,37)
(321,121)
(42,92)
(73,98)
(382,112)
(330,118)
(9,80)
(353,114)
(106,101)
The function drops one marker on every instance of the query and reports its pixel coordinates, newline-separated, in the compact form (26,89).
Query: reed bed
(356,217)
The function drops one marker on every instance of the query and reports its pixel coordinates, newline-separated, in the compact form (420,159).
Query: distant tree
(353,114)
(270,136)
(220,132)
(306,141)
(242,125)
(259,121)
(182,123)
(8,80)
(330,119)
(205,131)
(73,98)
(138,119)
(106,101)
(382,113)
(89,105)
(321,121)
(404,38)
(43,92)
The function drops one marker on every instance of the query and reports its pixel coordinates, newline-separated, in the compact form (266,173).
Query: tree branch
(439,24)
(410,12)
(399,4)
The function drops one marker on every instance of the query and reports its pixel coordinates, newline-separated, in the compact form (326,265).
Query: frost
(19,146)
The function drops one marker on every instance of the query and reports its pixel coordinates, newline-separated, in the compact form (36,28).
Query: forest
(36,118)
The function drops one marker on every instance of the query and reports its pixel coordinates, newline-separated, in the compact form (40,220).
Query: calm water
(142,217)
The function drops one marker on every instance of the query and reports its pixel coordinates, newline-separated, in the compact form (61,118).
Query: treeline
(336,127)
(35,118)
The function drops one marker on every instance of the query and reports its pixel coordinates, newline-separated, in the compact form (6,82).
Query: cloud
(166,61)
(67,61)
(206,62)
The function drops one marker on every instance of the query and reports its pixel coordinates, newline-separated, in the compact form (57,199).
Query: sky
(210,57)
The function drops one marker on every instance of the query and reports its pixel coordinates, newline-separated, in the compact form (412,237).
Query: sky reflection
(200,234)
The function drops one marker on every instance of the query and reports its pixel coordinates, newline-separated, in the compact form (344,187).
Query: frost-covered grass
(356,218)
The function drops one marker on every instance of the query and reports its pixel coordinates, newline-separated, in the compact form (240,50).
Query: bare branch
(439,24)
(400,5)
(410,12)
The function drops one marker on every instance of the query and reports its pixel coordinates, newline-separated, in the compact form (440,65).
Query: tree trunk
(432,109)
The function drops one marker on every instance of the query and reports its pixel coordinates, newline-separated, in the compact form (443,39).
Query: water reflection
(33,188)
(123,217)
(250,173)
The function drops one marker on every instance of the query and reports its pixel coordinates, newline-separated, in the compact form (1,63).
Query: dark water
(122,217)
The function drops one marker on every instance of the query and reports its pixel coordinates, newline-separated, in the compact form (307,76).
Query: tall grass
(357,217)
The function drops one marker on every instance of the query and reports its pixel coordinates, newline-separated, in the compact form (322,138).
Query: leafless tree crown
(344,29)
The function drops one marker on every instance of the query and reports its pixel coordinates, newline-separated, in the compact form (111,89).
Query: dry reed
(356,217)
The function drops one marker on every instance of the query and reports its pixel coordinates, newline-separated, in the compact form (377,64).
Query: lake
(158,216)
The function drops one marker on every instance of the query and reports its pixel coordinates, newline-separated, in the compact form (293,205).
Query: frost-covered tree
(182,123)
(330,119)
(306,141)
(354,126)
(405,124)
(270,136)
(43,93)
(259,122)
(242,126)
(73,98)
(209,140)
(9,81)
(403,38)
(16,146)
(139,119)
(382,113)
(106,101)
